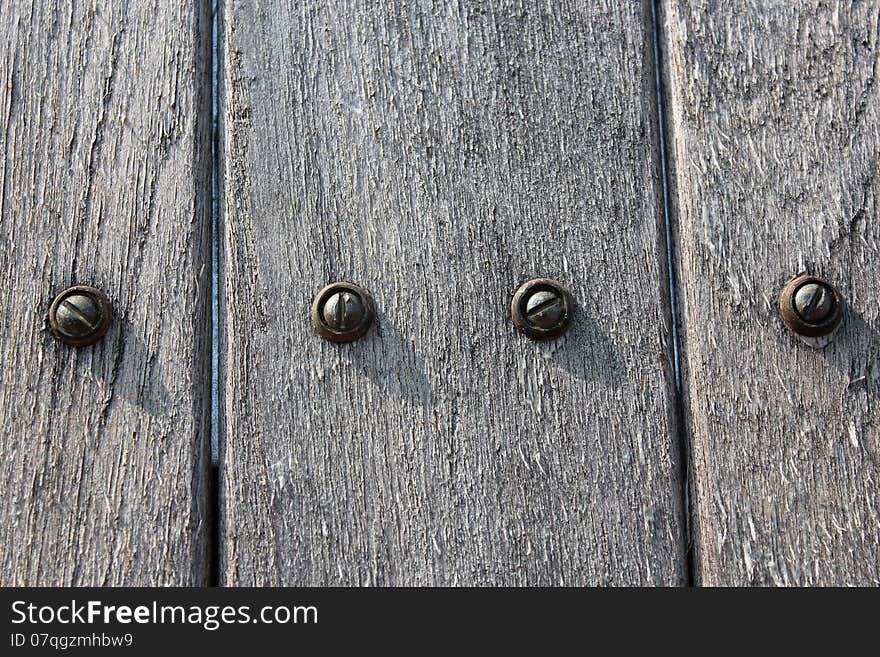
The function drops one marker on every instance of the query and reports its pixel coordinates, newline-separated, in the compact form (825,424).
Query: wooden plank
(105,113)
(438,154)
(774,124)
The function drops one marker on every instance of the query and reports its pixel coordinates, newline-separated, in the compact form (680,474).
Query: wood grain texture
(438,154)
(105,129)
(776,138)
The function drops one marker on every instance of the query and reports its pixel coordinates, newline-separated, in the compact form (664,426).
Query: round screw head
(813,302)
(80,315)
(542,309)
(342,312)
(812,308)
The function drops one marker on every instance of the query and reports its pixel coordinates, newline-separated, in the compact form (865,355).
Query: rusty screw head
(542,309)
(812,308)
(80,315)
(342,312)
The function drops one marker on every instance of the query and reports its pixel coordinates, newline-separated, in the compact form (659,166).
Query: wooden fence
(438,153)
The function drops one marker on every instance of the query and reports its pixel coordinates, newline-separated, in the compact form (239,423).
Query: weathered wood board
(105,180)
(439,154)
(775,137)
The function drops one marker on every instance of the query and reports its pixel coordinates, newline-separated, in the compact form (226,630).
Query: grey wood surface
(774,131)
(438,154)
(105,180)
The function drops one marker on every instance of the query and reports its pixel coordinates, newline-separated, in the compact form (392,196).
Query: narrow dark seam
(681,440)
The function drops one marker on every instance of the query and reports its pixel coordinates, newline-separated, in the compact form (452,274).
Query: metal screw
(812,308)
(80,315)
(813,302)
(342,312)
(542,309)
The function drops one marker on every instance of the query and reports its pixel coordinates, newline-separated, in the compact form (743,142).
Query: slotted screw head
(80,315)
(342,312)
(542,309)
(811,307)
(813,302)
